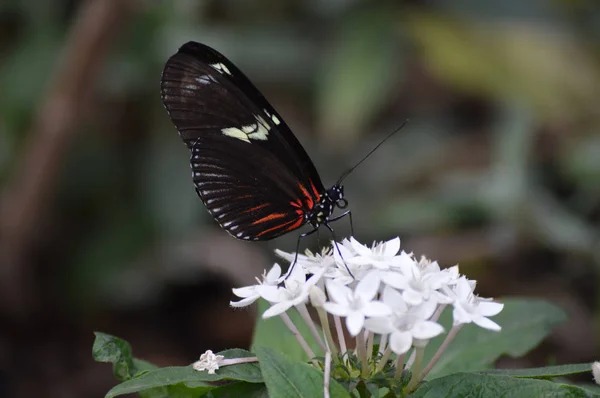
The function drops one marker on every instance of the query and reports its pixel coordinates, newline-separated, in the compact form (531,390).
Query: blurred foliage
(498,168)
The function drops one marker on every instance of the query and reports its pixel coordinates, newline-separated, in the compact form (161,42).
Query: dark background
(100,228)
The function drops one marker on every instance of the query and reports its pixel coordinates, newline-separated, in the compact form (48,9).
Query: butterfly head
(336,195)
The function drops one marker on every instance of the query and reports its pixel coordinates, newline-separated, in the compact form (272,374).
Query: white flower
(250,294)
(596,372)
(343,262)
(208,361)
(309,261)
(408,325)
(358,304)
(295,291)
(470,308)
(380,255)
(421,282)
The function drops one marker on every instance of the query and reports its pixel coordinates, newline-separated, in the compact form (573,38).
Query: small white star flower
(294,292)
(358,304)
(208,361)
(408,325)
(469,308)
(380,255)
(250,294)
(421,282)
(596,371)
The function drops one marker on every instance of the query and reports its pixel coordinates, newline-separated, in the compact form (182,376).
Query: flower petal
(486,323)
(489,308)
(354,322)
(380,325)
(273,274)
(391,247)
(368,286)
(271,293)
(460,316)
(426,330)
(400,342)
(336,309)
(339,293)
(412,297)
(317,297)
(277,309)
(394,279)
(376,308)
(393,299)
(359,248)
(245,291)
(244,302)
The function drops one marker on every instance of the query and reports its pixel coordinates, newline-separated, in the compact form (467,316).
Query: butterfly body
(249,169)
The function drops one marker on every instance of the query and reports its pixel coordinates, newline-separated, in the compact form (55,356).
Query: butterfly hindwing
(248,167)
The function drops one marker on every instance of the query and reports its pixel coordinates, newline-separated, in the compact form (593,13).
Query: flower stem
(311,325)
(399,365)
(438,312)
(288,322)
(361,351)
(383,343)
(370,342)
(384,359)
(327,374)
(340,334)
(327,330)
(453,332)
(416,370)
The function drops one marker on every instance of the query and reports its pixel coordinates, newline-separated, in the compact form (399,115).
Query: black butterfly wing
(249,169)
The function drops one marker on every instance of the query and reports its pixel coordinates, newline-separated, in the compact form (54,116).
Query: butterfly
(249,169)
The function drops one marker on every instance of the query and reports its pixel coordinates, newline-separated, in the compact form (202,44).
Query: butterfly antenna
(351,169)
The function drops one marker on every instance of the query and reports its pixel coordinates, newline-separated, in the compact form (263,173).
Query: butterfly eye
(342,203)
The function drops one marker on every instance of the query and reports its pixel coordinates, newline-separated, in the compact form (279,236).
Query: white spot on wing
(256,131)
(234,132)
(275,120)
(221,68)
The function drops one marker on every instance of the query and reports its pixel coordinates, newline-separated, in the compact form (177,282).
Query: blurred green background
(100,227)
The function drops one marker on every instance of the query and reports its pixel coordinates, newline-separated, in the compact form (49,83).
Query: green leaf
(241,389)
(117,351)
(525,323)
(545,372)
(201,382)
(469,385)
(273,333)
(285,378)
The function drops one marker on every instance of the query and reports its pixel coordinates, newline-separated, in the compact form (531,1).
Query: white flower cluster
(390,293)
(378,291)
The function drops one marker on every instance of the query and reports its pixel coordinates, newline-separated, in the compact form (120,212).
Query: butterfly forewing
(248,167)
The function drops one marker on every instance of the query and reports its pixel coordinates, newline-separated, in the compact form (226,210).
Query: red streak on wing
(296,223)
(273,216)
(309,199)
(256,208)
(317,195)
(297,203)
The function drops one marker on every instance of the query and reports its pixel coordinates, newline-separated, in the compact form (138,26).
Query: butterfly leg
(298,249)
(338,248)
(344,214)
